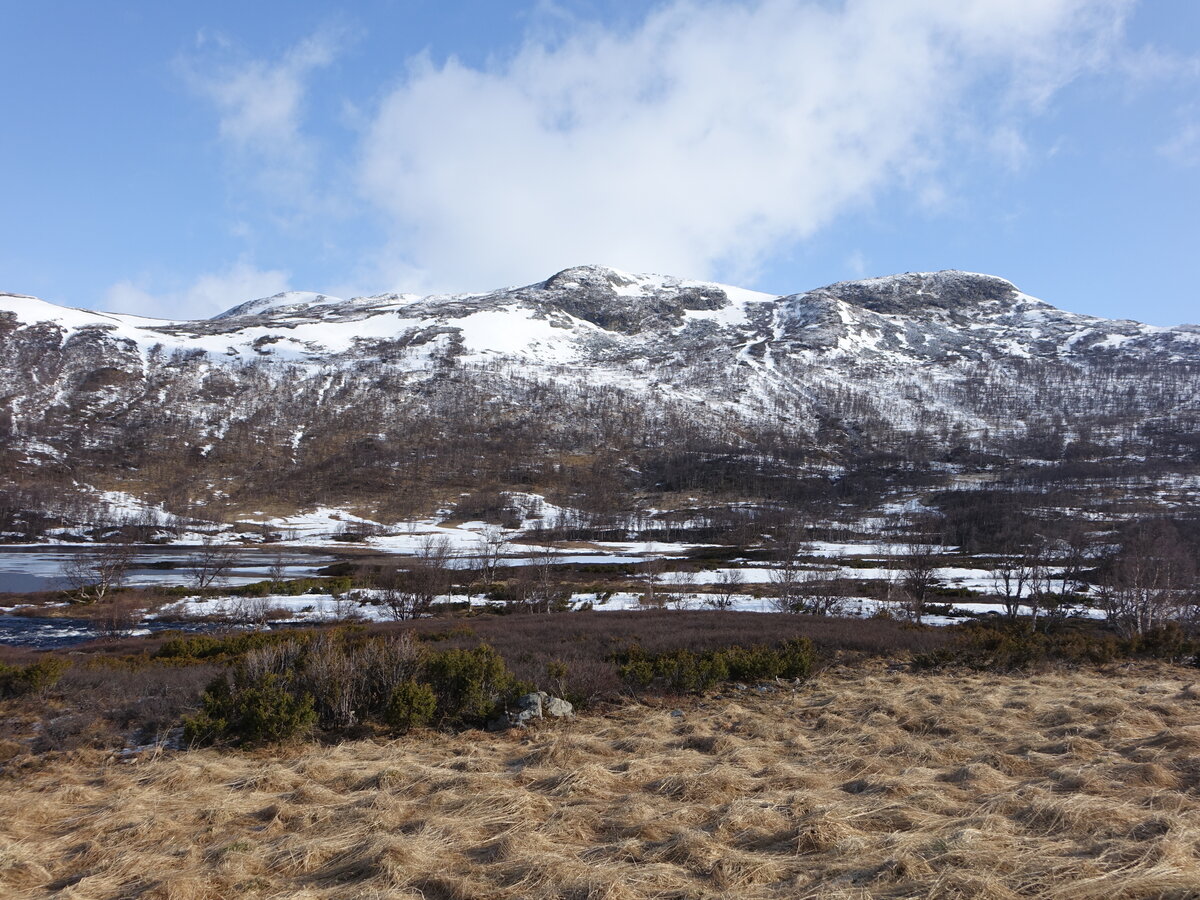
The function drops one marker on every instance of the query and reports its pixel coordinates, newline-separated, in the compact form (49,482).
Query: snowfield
(360,606)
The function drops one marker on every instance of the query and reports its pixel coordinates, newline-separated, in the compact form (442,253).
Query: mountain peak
(627,303)
(282,300)
(606,279)
(949,290)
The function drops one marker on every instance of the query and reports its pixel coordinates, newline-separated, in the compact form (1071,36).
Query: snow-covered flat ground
(276,607)
(358,606)
(327,608)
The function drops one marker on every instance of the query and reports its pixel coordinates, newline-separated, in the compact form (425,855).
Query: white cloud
(261,107)
(1183,148)
(856,264)
(1151,66)
(709,135)
(1010,147)
(208,295)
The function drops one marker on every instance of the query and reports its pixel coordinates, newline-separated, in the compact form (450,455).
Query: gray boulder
(556,707)
(528,707)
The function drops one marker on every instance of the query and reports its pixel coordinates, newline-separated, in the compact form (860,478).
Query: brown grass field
(864,783)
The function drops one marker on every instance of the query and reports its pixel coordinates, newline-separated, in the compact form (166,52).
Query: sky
(177,159)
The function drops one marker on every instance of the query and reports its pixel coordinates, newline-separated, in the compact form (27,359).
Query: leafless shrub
(117,614)
(1011,576)
(728,585)
(651,580)
(345,608)
(209,564)
(670,590)
(820,594)
(277,570)
(919,578)
(385,663)
(351,678)
(280,659)
(410,592)
(787,573)
(536,587)
(333,678)
(252,610)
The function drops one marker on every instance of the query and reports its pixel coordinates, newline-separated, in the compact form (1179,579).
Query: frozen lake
(39,568)
(46,633)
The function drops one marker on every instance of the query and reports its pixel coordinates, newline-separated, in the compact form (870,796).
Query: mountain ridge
(915,315)
(594,387)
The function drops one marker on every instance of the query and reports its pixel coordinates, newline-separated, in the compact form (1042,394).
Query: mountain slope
(596,384)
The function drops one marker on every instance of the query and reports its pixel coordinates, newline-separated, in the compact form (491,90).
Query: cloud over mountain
(708,135)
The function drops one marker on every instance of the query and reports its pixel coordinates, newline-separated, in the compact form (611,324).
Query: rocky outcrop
(531,707)
(624,303)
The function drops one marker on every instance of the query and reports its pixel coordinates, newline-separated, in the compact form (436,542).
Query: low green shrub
(798,656)
(260,709)
(213,648)
(635,668)
(1168,642)
(413,704)
(471,685)
(690,672)
(341,680)
(32,679)
(1009,646)
(686,672)
(339,569)
(508,593)
(294,587)
(988,648)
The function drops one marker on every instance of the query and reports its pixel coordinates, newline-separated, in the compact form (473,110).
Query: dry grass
(865,784)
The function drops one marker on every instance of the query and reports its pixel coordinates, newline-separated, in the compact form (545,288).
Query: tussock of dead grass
(866,784)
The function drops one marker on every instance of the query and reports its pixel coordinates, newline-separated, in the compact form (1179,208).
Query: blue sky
(176,159)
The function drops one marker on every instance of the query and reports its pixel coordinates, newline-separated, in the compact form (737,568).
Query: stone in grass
(528,707)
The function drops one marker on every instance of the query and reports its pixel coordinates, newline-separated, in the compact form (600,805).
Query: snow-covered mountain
(593,361)
(595,316)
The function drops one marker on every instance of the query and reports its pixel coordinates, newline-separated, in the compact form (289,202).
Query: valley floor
(864,783)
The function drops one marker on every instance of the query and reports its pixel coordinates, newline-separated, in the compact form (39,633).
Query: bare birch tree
(492,543)
(211,562)
(787,574)
(1149,581)
(919,578)
(96,573)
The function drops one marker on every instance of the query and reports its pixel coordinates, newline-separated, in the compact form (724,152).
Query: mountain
(590,315)
(596,386)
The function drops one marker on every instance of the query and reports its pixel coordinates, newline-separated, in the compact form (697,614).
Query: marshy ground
(866,782)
